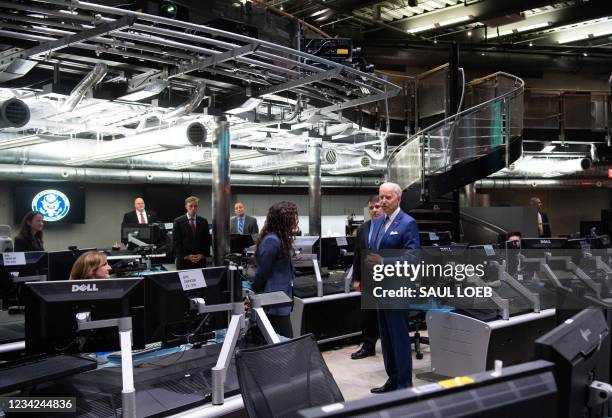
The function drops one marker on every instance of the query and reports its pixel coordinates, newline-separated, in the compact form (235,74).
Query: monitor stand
(128,393)
(236,325)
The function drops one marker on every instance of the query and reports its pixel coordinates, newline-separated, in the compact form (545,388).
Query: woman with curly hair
(30,234)
(273,258)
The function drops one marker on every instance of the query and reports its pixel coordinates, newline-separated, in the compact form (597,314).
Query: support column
(221,189)
(314,188)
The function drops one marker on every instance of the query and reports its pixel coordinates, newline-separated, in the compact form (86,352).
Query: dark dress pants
(395,341)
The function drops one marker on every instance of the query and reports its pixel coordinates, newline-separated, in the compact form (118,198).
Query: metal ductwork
(190,105)
(542,183)
(86,84)
(196,133)
(14,113)
(14,172)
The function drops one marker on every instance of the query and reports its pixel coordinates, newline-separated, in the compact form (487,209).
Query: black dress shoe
(383,389)
(363,352)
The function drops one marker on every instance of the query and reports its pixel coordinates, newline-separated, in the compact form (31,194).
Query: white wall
(106,204)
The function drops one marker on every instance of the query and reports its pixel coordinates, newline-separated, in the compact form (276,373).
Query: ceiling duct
(190,105)
(15,172)
(487,184)
(85,85)
(13,113)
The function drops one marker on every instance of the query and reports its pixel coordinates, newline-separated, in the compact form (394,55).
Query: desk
(173,384)
(12,332)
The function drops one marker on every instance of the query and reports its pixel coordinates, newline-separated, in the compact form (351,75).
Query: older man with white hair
(395,230)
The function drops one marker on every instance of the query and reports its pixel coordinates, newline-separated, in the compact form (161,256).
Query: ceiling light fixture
(524,28)
(438,25)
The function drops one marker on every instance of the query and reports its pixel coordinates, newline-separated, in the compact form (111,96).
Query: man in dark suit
(138,216)
(369,319)
(543,224)
(241,223)
(191,237)
(395,230)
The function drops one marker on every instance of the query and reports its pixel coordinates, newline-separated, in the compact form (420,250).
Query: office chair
(278,380)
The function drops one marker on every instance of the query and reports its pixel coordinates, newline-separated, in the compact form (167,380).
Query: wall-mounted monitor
(59,203)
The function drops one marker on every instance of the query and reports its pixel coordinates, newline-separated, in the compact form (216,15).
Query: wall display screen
(59,203)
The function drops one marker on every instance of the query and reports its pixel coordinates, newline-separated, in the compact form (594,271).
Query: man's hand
(372,260)
(357,286)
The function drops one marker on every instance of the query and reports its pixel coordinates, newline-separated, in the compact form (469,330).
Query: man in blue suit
(396,230)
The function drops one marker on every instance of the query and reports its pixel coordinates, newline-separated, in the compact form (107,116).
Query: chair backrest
(278,380)
(5,231)
(6,244)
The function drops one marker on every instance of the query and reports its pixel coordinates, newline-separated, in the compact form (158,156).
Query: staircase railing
(493,120)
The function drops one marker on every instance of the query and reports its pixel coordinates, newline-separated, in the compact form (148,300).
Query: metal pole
(508,124)
(314,188)
(221,190)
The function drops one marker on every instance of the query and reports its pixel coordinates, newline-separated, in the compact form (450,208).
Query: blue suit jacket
(403,233)
(274,271)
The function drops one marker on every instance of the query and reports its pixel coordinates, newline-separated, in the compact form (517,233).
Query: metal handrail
(453,118)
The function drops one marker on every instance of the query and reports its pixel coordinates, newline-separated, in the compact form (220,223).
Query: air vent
(13,113)
(196,133)
(330,156)
(365,161)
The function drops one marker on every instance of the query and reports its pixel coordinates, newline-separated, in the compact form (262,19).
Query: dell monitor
(542,243)
(53,309)
(580,349)
(61,262)
(16,271)
(172,316)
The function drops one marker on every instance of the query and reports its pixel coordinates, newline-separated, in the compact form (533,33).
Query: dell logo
(85,287)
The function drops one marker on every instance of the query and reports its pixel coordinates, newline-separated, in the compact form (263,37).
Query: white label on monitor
(168,226)
(341,242)
(433,236)
(489,251)
(14,259)
(192,279)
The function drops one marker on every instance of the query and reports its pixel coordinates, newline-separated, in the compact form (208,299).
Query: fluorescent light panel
(441,24)
(602,29)
(523,29)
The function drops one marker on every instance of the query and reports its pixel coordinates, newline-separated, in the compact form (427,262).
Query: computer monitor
(580,349)
(542,243)
(52,308)
(33,267)
(149,233)
(240,242)
(171,316)
(433,238)
(61,262)
(305,244)
(526,390)
(331,251)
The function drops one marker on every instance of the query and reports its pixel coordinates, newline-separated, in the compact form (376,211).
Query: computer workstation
(166,310)
(324,303)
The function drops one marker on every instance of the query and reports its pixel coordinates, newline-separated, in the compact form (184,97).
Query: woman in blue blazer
(273,258)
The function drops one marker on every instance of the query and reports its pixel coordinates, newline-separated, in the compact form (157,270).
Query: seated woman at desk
(90,265)
(273,259)
(30,234)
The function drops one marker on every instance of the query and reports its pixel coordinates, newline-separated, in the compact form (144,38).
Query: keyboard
(32,371)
